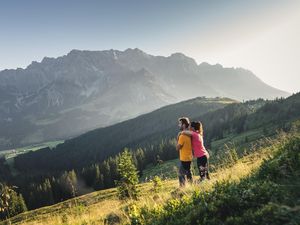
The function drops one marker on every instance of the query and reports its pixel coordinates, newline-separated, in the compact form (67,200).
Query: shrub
(127,185)
(157,184)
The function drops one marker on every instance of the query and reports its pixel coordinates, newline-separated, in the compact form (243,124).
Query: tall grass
(269,195)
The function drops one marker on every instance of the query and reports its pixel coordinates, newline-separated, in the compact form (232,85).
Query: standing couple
(189,140)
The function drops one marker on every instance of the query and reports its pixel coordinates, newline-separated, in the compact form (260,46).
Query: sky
(261,36)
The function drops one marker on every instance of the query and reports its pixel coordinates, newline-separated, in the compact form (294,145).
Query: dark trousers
(185,173)
(202,164)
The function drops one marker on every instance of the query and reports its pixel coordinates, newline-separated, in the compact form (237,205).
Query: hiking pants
(185,173)
(202,164)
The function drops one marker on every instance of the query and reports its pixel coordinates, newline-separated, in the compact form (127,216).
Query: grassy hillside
(235,188)
(268,196)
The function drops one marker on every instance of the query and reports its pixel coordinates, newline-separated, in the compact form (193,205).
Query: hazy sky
(262,36)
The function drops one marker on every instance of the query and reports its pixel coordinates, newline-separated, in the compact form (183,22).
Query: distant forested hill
(150,129)
(97,145)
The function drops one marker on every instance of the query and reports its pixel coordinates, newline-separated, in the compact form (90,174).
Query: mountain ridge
(62,97)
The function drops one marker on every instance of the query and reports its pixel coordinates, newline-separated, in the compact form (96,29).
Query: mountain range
(62,97)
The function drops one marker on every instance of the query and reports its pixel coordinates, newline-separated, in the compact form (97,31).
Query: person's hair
(197,125)
(185,121)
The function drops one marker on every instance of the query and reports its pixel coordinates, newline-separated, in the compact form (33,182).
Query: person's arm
(178,147)
(187,132)
(179,143)
(207,154)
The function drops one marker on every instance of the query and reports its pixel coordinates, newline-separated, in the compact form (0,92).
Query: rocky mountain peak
(68,95)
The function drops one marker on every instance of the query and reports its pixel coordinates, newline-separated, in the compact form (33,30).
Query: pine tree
(140,157)
(4,201)
(48,194)
(127,185)
(105,168)
(68,184)
(98,185)
(11,203)
(72,181)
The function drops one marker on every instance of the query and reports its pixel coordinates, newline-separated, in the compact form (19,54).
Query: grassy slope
(269,195)
(93,208)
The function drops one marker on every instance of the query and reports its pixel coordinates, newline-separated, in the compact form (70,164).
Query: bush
(157,184)
(112,219)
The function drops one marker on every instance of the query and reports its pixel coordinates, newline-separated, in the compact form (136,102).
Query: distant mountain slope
(149,128)
(97,145)
(83,90)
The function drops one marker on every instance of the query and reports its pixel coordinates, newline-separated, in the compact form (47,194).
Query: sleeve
(181,140)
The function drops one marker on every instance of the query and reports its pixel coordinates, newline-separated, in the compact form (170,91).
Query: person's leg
(207,169)
(202,166)
(188,173)
(181,174)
